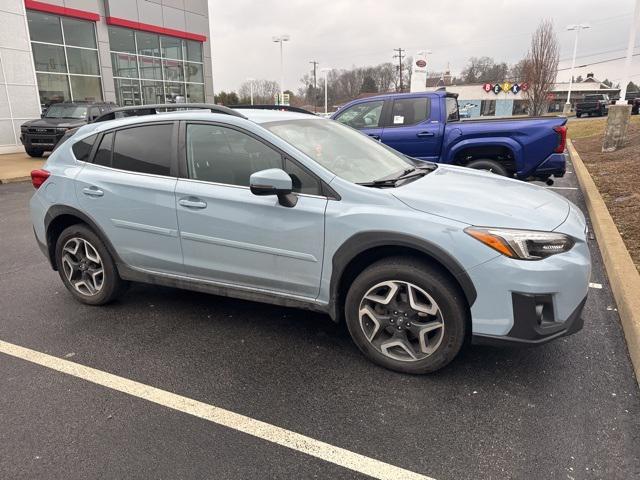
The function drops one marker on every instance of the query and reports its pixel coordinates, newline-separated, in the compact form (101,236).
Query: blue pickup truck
(427,126)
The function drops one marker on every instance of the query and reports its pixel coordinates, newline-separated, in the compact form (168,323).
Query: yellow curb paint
(623,275)
(265,431)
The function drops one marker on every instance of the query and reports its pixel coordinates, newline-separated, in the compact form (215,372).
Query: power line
(598,63)
(399,56)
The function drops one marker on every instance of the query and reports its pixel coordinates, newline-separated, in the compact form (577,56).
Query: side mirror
(274,181)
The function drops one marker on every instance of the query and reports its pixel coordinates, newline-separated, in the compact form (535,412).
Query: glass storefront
(150,68)
(65,56)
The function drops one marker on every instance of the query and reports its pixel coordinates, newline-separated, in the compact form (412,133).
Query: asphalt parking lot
(566,410)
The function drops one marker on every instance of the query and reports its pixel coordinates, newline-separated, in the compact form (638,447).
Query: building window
(65,57)
(488,108)
(150,68)
(520,107)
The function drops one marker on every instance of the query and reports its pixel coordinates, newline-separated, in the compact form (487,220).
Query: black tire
(578,115)
(489,165)
(112,285)
(446,294)
(34,152)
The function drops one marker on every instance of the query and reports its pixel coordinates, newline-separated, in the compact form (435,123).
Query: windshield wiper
(404,175)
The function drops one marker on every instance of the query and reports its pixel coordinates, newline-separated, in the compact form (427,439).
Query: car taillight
(38,177)
(562,138)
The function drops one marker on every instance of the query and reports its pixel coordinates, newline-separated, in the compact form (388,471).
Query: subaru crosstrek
(301,211)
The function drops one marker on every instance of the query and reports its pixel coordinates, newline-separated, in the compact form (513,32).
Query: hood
(55,122)
(484,199)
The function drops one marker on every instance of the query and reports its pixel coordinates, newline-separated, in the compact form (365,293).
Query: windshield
(594,97)
(66,111)
(340,149)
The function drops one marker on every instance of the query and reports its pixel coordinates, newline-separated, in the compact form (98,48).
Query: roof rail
(139,110)
(282,108)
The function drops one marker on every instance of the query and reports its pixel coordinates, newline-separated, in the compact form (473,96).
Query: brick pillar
(617,123)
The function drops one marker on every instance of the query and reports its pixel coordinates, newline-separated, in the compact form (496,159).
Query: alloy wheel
(401,320)
(82,266)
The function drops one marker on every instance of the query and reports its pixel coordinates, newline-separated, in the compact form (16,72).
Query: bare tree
(541,67)
(264,91)
(484,69)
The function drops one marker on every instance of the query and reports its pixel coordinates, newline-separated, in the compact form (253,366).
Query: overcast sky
(344,33)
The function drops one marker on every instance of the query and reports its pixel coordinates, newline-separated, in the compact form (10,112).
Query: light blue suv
(297,210)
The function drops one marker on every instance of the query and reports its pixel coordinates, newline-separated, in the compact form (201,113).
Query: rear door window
(144,149)
(409,111)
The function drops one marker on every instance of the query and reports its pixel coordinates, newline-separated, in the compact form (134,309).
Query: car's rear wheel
(488,166)
(406,315)
(86,267)
(34,152)
(578,115)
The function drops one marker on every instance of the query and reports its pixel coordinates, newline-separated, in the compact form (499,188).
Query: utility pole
(315,87)
(400,57)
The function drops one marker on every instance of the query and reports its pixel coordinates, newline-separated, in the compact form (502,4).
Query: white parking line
(563,188)
(265,431)
(595,285)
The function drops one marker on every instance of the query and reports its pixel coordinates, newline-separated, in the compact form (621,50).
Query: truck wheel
(489,166)
(578,115)
(406,315)
(34,152)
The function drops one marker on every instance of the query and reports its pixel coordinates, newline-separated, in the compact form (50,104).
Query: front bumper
(530,326)
(44,141)
(531,302)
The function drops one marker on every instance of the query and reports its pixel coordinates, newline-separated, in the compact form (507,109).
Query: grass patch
(591,127)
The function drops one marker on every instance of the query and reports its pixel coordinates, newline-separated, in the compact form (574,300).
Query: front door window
(362,115)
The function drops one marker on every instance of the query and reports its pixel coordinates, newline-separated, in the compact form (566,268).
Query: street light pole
(251,80)
(577,28)
(627,64)
(281,39)
(326,74)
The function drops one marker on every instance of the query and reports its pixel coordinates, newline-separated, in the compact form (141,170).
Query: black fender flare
(56,211)
(360,242)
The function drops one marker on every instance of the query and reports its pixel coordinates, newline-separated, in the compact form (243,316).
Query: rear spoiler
(282,108)
(140,110)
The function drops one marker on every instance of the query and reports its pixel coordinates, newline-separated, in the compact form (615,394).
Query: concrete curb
(14,180)
(623,275)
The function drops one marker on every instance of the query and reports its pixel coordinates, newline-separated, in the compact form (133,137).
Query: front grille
(41,130)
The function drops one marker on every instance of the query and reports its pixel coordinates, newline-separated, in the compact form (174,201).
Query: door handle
(425,134)
(373,135)
(192,202)
(93,191)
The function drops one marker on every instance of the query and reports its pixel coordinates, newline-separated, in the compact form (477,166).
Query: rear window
(82,148)
(408,111)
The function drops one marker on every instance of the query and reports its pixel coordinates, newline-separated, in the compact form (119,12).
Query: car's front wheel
(34,152)
(86,267)
(406,315)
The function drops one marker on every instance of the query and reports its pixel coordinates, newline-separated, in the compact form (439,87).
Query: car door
(128,190)
(231,236)
(410,129)
(364,116)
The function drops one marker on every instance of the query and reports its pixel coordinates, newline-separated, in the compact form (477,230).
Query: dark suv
(39,136)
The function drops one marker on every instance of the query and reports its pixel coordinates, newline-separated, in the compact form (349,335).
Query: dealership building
(129,52)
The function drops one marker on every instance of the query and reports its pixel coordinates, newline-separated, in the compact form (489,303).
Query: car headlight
(61,130)
(522,244)
(23,128)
